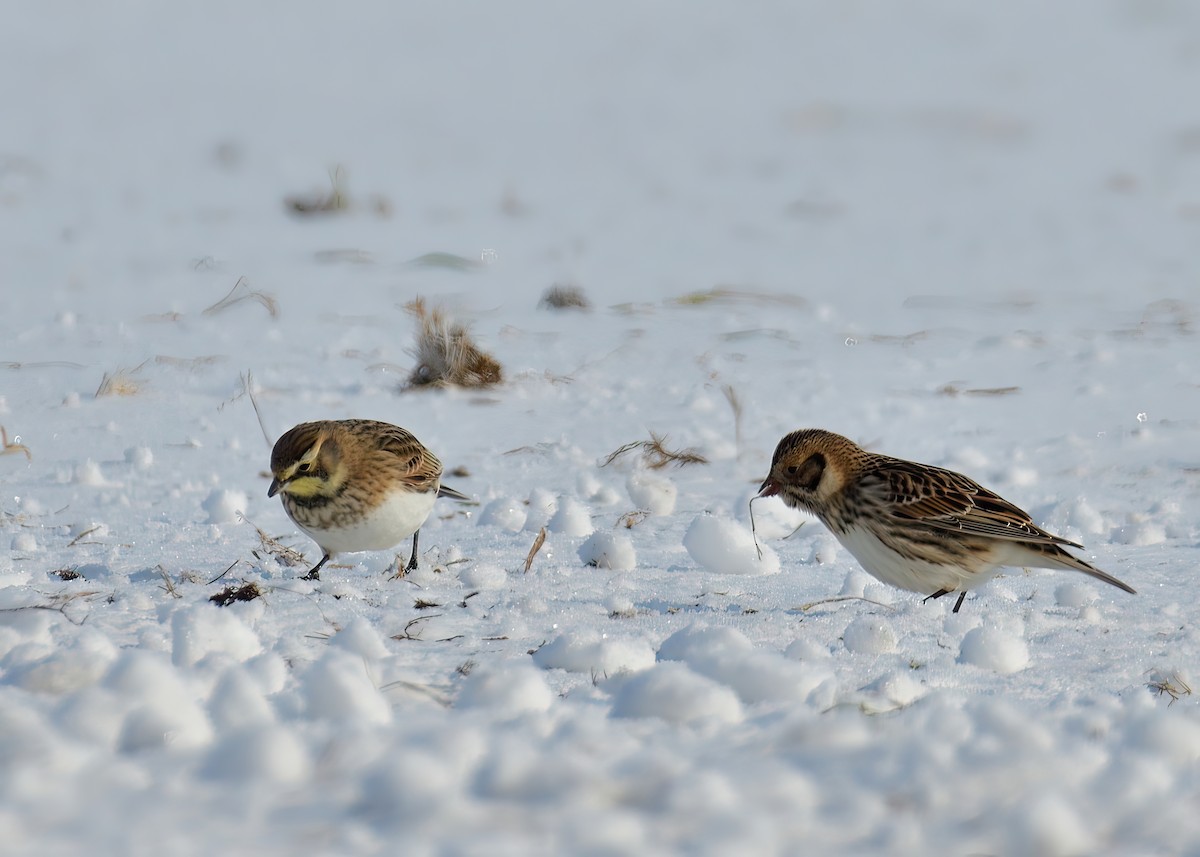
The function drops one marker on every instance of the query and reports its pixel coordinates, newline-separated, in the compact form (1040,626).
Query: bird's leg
(959,602)
(935,595)
(314,572)
(412,563)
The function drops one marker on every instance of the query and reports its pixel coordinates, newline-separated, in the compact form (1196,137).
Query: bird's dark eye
(792,470)
(304,467)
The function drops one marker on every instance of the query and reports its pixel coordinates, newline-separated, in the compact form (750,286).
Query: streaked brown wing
(418,466)
(945,500)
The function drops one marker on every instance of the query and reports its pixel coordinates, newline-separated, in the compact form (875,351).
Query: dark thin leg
(936,596)
(412,563)
(959,602)
(314,572)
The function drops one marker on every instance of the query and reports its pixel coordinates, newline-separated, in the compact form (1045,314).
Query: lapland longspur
(911,525)
(356,485)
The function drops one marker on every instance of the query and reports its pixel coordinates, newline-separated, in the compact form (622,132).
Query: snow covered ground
(958,233)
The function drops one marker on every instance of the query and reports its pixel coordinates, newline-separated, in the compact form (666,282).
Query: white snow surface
(966,234)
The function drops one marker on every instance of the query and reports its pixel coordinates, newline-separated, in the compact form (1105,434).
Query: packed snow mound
(724,546)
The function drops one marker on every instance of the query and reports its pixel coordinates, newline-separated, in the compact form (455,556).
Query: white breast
(388,524)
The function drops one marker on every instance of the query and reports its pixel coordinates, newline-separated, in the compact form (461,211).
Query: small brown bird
(356,485)
(911,525)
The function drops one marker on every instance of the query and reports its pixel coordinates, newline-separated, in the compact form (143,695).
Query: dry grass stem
(14,446)
(735,403)
(241,291)
(724,294)
(953,389)
(446,354)
(537,546)
(804,608)
(655,454)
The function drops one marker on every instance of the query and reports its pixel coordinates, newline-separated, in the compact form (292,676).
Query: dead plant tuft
(446,354)
(655,454)
(564,296)
(1171,685)
(337,199)
(121,383)
(631,519)
(241,291)
(66,574)
(272,547)
(230,594)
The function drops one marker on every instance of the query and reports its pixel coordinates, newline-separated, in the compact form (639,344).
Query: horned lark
(911,525)
(356,485)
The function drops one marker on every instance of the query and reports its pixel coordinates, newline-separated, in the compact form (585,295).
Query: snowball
(237,701)
(359,637)
(202,629)
(1140,532)
(180,724)
(676,694)
(24,543)
(90,529)
(1048,826)
(592,653)
(505,513)
(608,550)
(896,690)
(1084,517)
(140,457)
(506,690)
(338,688)
(571,519)
(871,635)
(994,649)
(89,473)
(755,675)
(224,505)
(1074,594)
(773,519)
(656,494)
(542,505)
(726,547)
(483,577)
(266,754)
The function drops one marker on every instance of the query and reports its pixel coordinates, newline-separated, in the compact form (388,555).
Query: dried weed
(446,354)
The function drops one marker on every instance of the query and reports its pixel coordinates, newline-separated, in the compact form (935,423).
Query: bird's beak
(274,489)
(769,488)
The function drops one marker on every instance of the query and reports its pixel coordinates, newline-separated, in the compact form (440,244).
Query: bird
(910,525)
(356,485)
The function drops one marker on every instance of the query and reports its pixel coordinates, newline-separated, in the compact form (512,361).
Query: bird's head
(810,467)
(307,463)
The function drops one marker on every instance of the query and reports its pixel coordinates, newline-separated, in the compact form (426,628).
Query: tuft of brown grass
(725,294)
(1170,685)
(230,594)
(241,291)
(121,382)
(272,547)
(655,454)
(564,296)
(66,574)
(446,354)
(337,199)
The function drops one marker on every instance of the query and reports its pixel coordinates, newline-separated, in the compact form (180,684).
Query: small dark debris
(564,296)
(230,594)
